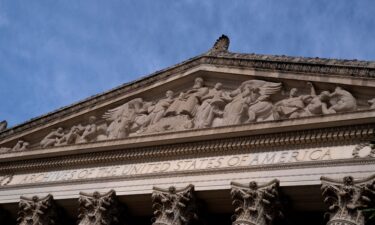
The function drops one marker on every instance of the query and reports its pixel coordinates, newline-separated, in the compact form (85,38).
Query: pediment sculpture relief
(203,107)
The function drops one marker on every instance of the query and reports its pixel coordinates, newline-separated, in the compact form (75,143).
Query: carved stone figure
(90,131)
(173,207)
(157,111)
(255,205)
(37,211)
(317,104)
(291,107)
(3,125)
(52,138)
(21,146)
(261,110)
(237,111)
(5,149)
(347,199)
(98,209)
(342,101)
(72,136)
(123,118)
(212,106)
(188,102)
(372,103)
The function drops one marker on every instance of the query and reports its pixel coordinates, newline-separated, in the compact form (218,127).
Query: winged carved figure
(124,118)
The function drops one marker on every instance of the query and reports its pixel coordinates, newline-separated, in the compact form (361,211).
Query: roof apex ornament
(221,45)
(3,125)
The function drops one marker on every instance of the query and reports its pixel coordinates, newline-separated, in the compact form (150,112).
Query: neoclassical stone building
(222,138)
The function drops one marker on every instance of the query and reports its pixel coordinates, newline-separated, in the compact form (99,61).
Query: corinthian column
(37,211)
(99,209)
(173,206)
(347,198)
(255,204)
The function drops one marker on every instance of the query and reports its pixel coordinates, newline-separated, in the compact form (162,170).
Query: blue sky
(54,53)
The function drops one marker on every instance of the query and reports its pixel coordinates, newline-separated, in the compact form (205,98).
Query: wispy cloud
(54,53)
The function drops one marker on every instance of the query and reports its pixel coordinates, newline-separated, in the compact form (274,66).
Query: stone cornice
(296,139)
(346,68)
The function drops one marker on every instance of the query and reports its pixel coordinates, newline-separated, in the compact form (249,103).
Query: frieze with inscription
(250,160)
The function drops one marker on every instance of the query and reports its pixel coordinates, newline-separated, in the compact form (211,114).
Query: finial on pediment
(221,44)
(3,125)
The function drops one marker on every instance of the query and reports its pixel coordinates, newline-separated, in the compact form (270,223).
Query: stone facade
(177,147)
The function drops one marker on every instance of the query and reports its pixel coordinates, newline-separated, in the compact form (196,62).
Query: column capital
(174,206)
(99,209)
(37,211)
(255,204)
(347,198)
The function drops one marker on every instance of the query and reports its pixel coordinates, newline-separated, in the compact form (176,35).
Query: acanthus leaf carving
(37,211)
(174,206)
(99,209)
(347,199)
(255,205)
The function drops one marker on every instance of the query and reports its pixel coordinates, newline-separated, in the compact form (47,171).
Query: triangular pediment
(216,93)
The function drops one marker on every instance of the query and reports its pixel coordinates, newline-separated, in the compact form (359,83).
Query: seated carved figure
(261,110)
(342,101)
(122,118)
(291,107)
(211,107)
(235,112)
(90,131)
(157,111)
(52,138)
(21,146)
(72,136)
(187,103)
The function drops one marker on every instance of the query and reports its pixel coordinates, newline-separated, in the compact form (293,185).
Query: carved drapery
(347,198)
(37,211)
(99,209)
(255,204)
(174,206)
